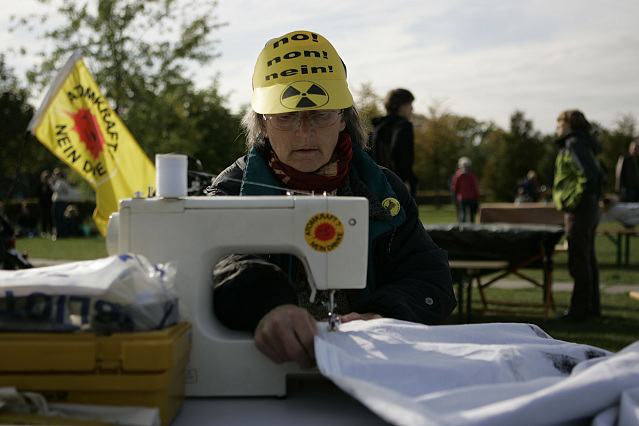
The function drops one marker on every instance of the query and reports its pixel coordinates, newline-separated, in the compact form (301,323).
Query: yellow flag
(77,125)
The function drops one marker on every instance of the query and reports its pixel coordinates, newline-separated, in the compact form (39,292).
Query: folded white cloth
(34,403)
(491,374)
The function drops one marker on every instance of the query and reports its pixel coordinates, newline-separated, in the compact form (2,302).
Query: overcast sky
(481,58)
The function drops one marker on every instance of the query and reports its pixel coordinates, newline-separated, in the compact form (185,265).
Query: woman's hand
(356,316)
(287,333)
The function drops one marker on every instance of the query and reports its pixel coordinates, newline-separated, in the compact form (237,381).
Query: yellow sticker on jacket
(324,232)
(392,205)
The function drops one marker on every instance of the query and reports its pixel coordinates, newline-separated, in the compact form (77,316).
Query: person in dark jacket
(576,192)
(304,134)
(392,143)
(44,193)
(627,174)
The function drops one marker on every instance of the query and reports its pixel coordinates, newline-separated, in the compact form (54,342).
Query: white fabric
(476,374)
(626,213)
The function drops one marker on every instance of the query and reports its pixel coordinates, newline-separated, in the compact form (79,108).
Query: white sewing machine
(329,234)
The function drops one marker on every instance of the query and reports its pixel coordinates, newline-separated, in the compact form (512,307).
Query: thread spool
(171,175)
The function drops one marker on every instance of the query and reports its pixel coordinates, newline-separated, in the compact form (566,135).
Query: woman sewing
(304,135)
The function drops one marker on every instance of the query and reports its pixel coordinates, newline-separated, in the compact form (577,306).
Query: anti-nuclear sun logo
(88,129)
(324,232)
(304,94)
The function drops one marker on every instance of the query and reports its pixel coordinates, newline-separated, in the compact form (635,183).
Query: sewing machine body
(329,235)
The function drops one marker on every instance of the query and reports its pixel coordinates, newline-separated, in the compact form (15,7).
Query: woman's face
(563,128)
(305,147)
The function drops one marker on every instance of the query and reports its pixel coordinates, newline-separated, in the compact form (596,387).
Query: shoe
(572,318)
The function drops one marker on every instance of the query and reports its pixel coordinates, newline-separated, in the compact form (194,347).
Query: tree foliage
(139,52)
(513,154)
(440,139)
(436,146)
(15,114)
(368,105)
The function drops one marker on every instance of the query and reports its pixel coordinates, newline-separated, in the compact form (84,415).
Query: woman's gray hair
(253,123)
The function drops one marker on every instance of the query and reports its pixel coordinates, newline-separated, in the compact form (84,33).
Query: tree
(15,114)
(436,144)
(440,139)
(368,105)
(139,52)
(513,154)
(216,129)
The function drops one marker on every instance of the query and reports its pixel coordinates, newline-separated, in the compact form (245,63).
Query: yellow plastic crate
(132,369)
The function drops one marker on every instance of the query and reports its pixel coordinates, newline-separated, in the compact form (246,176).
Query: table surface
(521,213)
(495,241)
(312,400)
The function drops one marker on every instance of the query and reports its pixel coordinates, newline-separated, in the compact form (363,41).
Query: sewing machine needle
(333,319)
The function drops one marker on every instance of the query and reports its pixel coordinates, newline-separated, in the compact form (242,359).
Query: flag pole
(55,87)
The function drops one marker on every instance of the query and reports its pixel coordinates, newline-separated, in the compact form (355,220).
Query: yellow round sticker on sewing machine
(324,232)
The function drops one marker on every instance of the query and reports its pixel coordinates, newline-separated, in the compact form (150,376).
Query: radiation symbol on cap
(392,205)
(304,94)
(324,232)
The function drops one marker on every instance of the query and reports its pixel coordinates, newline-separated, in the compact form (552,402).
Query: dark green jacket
(408,275)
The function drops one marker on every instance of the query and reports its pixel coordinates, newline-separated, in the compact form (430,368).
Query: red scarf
(326,179)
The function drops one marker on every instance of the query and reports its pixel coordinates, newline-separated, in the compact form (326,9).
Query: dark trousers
(467,210)
(581,226)
(58,208)
(629,195)
(46,217)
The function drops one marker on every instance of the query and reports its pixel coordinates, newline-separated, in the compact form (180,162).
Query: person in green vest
(576,192)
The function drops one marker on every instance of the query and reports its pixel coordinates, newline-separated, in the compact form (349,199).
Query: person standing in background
(63,192)
(392,142)
(44,194)
(627,174)
(466,188)
(531,186)
(576,192)
(27,222)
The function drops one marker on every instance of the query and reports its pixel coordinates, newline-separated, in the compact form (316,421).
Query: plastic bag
(113,294)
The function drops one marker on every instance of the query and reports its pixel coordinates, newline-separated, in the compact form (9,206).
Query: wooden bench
(535,213)
(617,236)
(464,273)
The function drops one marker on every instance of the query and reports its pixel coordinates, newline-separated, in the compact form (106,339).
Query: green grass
(618,328)
(64,248)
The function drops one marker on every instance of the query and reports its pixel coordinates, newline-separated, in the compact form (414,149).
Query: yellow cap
(299,71)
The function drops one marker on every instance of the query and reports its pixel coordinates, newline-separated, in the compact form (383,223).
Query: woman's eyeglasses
(286,122)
